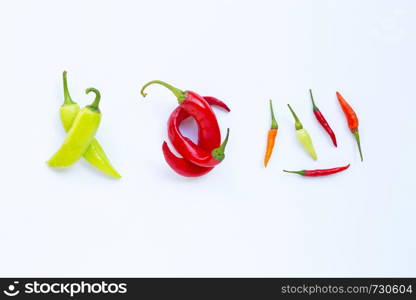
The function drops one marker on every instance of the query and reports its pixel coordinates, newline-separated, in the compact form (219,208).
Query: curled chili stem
(313,102)
(298,124)
(180,95)
(274,122)
(218,153)
(357,138)
(67,97)
(94,105)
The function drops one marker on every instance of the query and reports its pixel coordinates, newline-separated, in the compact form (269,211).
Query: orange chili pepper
(352,120)
(271,137)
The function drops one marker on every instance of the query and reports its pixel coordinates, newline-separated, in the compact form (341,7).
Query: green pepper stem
(97,99)
(274,122)
(313,102)
(357,138)
(67,97)
(298,124)
(224,143)
(218,153)
(180,95)
(302,173)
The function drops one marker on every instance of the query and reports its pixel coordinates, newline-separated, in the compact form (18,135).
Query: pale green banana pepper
(303,136)
(94,154)
(79,136)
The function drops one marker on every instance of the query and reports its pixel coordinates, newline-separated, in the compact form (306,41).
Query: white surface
(241,219)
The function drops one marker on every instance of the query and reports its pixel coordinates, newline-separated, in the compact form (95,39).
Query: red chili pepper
(194,153)
(182,114)
(206,153)
(321,119)
(352,120)
(217,102)
(181,165)
(196,106)
(319,172)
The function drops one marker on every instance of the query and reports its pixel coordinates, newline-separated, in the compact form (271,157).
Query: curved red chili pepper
(188,149)
(182,166)
(208,152)
(216,102)
(200,110)
(182,115)
(319,172)
(321,119)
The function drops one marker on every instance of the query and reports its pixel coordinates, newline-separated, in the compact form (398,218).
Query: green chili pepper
(95,154)
(80,135)
(303,136)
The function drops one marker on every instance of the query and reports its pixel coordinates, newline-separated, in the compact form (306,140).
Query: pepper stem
(313,102)
(180,95)
(274,122)
(298,124)
(67,97)
(302,173)
(94,105)
(357,138)
(218,153)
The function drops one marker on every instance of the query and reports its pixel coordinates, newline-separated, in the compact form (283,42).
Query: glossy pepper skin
(95,154)
(352,120)
(303,136)
(216,102)
(321,119)
(180,165)
(80,135)
(319,172)
(196,106)
(208,153)
(194,153)
(271,136)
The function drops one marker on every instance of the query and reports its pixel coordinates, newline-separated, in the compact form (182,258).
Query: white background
(240,219)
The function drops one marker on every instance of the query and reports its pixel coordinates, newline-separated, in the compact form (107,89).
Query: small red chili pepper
(352,120)
(321,119)
(196,106)
(319,172)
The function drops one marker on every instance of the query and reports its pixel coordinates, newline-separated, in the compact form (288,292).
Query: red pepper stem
(357,138)
(94,105)
(313,102)
(274,122)
(67,96)
(302,173)
(218,153)
(298,124)
(180,95)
